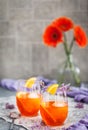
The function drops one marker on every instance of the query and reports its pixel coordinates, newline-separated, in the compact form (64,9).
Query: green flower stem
(71,45)
(65,45)
(76,77)
(69,60)
(62,76)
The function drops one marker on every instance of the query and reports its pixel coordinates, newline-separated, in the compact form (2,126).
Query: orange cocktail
(54,113)
(28,103)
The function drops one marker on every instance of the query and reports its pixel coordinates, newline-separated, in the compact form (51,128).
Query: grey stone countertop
(24,123)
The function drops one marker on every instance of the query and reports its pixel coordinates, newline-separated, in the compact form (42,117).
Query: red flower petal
(80,36)
(63,23)
(52,36)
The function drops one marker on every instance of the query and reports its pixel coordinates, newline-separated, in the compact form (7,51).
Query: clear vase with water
(68,72)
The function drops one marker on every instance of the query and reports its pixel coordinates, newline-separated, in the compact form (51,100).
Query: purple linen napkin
(81,125)
(84,121)
(79,94)
(81,98)
(11,84)
(7,83)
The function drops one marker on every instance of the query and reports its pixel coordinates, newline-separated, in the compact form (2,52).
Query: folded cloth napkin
(81,125)
(12,84)
(79,94)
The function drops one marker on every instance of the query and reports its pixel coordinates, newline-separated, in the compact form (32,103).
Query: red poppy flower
(52,36)
(63,23)
(80,36)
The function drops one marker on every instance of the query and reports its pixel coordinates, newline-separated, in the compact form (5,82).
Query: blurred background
(22,51)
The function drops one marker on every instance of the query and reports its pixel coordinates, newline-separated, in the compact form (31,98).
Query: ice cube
(59,104)
(33,95)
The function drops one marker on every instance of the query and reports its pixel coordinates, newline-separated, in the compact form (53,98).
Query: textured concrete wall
(22,52)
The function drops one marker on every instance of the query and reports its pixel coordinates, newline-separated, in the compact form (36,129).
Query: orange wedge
(29,83)
(52,89)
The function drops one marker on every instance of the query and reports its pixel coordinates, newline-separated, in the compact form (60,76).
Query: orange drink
(28,103)
(28,97)
(54,105)
(54,113)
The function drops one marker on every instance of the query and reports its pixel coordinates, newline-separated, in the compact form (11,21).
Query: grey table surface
(75,114)
(6,93)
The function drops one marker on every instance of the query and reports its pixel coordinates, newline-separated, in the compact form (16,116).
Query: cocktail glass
(54,108)
(28,99)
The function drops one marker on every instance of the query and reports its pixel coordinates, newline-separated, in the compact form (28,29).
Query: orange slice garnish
(52,89)
(30,82)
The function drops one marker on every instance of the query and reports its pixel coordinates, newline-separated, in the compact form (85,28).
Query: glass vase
(69,73)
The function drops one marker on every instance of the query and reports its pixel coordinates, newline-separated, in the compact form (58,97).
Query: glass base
(56,127)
